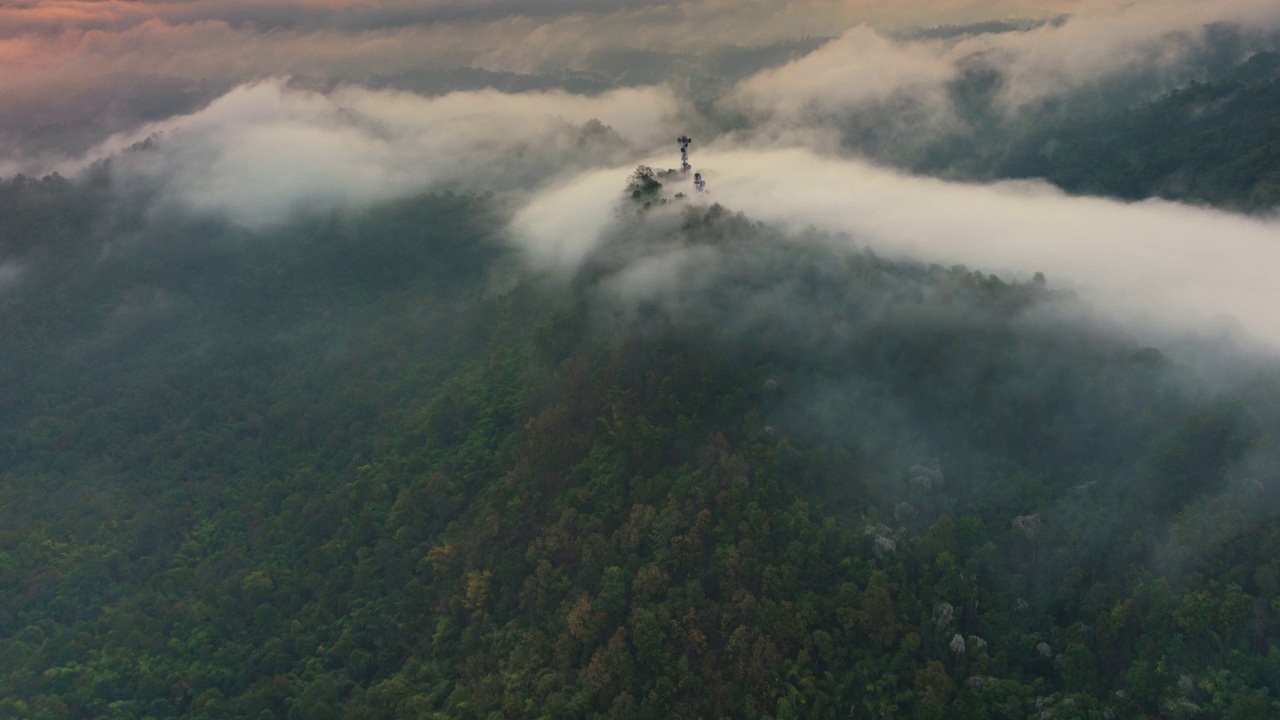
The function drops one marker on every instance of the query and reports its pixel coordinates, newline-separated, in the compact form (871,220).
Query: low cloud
(263,151)
(906,85)
(72,72)
(266,149)
(860,67)
(66,64)
(1103,40)
(1156,265)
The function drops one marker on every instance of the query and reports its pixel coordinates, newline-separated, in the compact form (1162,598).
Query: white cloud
(1101,41)
(860,67)
(564,224)
(263,151)
(1153,264)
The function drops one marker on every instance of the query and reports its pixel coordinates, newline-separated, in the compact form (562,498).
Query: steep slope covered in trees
(1216,142)
(342,469)
(1211,141)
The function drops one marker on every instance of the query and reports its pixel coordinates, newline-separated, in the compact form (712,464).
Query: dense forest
(1216,141)
(1211,141)
(364,465)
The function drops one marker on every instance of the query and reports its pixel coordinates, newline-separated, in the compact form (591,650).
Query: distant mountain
(946,32)
(1215,142)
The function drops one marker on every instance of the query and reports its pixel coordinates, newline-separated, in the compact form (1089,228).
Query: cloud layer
(263,151)
(70,67)
(1154,264)
(67,63)
(265,148)
(892,99)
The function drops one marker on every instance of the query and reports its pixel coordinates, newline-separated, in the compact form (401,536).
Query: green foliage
(1215,142)
(1212,141)
(643,185)
(342,477)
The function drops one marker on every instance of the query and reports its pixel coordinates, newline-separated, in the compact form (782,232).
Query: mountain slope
(793,484)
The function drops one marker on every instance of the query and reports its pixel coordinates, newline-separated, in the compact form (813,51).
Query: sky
(266,109)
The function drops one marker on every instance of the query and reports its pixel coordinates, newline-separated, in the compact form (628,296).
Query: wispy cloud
(266,148)
(905,84)
(1155,264)
(69,66)
(264,151)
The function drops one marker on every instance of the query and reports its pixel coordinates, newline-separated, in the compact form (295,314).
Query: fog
(373,358)
(263,151)
(955,104)
(1153,264)
(1101,41)
(287,126)
(71,72)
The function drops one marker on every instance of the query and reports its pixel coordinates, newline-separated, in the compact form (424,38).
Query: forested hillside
(359,466)
(1217,142)
(1212,141)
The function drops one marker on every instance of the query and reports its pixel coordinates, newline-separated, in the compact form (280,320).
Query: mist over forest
(379,361)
